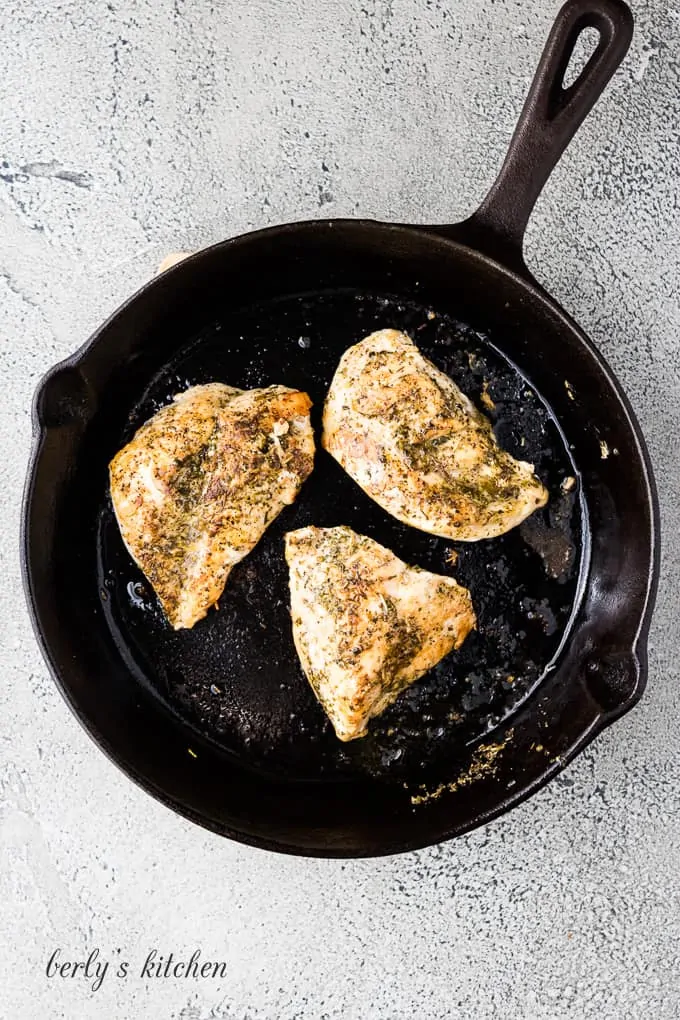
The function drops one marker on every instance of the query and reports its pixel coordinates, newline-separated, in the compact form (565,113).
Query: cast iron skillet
(219,722)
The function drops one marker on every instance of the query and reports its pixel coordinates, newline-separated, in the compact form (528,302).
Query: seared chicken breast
(199,483)
(365,624)
(419,447)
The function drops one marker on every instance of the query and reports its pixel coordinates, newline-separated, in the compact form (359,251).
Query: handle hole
(584,48)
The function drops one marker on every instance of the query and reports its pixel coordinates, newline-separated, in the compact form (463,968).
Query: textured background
(132,128)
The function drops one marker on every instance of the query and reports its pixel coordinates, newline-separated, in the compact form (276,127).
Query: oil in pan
(236,676)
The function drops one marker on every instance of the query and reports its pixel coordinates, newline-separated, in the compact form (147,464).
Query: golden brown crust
(365,624)
(419,447)
(199,483)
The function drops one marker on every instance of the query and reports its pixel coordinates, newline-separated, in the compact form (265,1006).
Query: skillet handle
(549,120)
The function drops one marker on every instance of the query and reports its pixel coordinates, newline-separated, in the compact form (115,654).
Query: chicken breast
(419,447)
(365,624)
(199,483)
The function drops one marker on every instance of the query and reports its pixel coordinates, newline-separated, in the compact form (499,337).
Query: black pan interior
(235,676)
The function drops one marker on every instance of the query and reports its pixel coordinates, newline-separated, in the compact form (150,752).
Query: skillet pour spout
(218,722)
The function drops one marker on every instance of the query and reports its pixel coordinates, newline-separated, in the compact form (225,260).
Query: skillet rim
(527,283)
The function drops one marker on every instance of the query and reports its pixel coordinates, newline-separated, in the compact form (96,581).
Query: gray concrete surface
(132,128)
